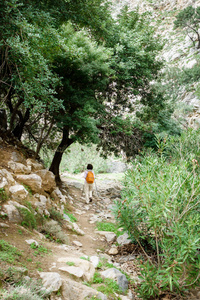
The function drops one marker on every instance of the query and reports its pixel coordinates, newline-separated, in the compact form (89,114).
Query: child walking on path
(88,184)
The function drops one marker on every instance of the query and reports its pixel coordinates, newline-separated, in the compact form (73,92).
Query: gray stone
(31,241)
(110,236)
(3,182)
(87,267)
(94,260)
(4,225)
(18,191)
(19,168)
(35,166)
(8,176)
(117,276)
(75,271)
(77,243)
(123,239)
(12,213)
(51,280)
(16,157)
(72,290)
(113,251)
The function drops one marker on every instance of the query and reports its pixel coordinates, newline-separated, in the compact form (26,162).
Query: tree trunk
(65,143)
(18,130)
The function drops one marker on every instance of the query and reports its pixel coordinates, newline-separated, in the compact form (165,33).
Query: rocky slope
(28,192)
(178,51)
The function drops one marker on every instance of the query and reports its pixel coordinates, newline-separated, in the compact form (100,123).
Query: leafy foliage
(159,210)
(72,73)
(189,19)
(28,218)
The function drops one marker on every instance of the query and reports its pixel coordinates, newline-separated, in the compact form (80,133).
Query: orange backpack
(90,177)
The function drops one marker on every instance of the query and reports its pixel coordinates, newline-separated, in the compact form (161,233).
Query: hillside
(178,52)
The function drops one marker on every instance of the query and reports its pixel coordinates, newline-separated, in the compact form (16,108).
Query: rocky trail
(90,261)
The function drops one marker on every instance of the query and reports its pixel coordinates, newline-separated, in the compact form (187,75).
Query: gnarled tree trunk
(65,143)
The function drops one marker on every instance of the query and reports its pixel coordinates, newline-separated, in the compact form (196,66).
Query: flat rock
(76,271)
(86,266)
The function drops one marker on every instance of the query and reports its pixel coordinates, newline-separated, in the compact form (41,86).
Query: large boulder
(17,157)
(19,168)
(81,268)
(34,181)
(48,180)
(72,290)
(51,281)
(18,192)
(12,211)
(8,176)
(34,165)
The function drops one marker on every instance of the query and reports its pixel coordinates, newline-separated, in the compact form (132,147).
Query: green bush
(28,218)
(161,201)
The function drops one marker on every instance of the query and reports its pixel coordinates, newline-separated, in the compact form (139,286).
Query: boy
(89,180)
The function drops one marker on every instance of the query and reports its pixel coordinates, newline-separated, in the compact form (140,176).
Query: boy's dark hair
(89,167)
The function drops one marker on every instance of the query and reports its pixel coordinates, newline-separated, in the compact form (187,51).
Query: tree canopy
(189,20)
(70,72)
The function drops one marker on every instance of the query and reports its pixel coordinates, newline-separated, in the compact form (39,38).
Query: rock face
(48,180)
(33,181)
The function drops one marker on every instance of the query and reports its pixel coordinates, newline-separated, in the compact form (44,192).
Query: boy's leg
(90,191)
(86,189)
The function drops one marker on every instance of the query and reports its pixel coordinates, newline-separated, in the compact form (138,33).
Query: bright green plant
(161,199)
(97,278)
(8,252)
(108,226)
(3,195)
(71,216)
(110,287)
(39,250)
(70,263)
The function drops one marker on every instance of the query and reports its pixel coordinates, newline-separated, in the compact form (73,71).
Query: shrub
(28,218)
(54,232)
(28,290)
(56,215)
(161,199)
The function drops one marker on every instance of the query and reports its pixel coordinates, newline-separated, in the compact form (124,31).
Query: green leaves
(160,211)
